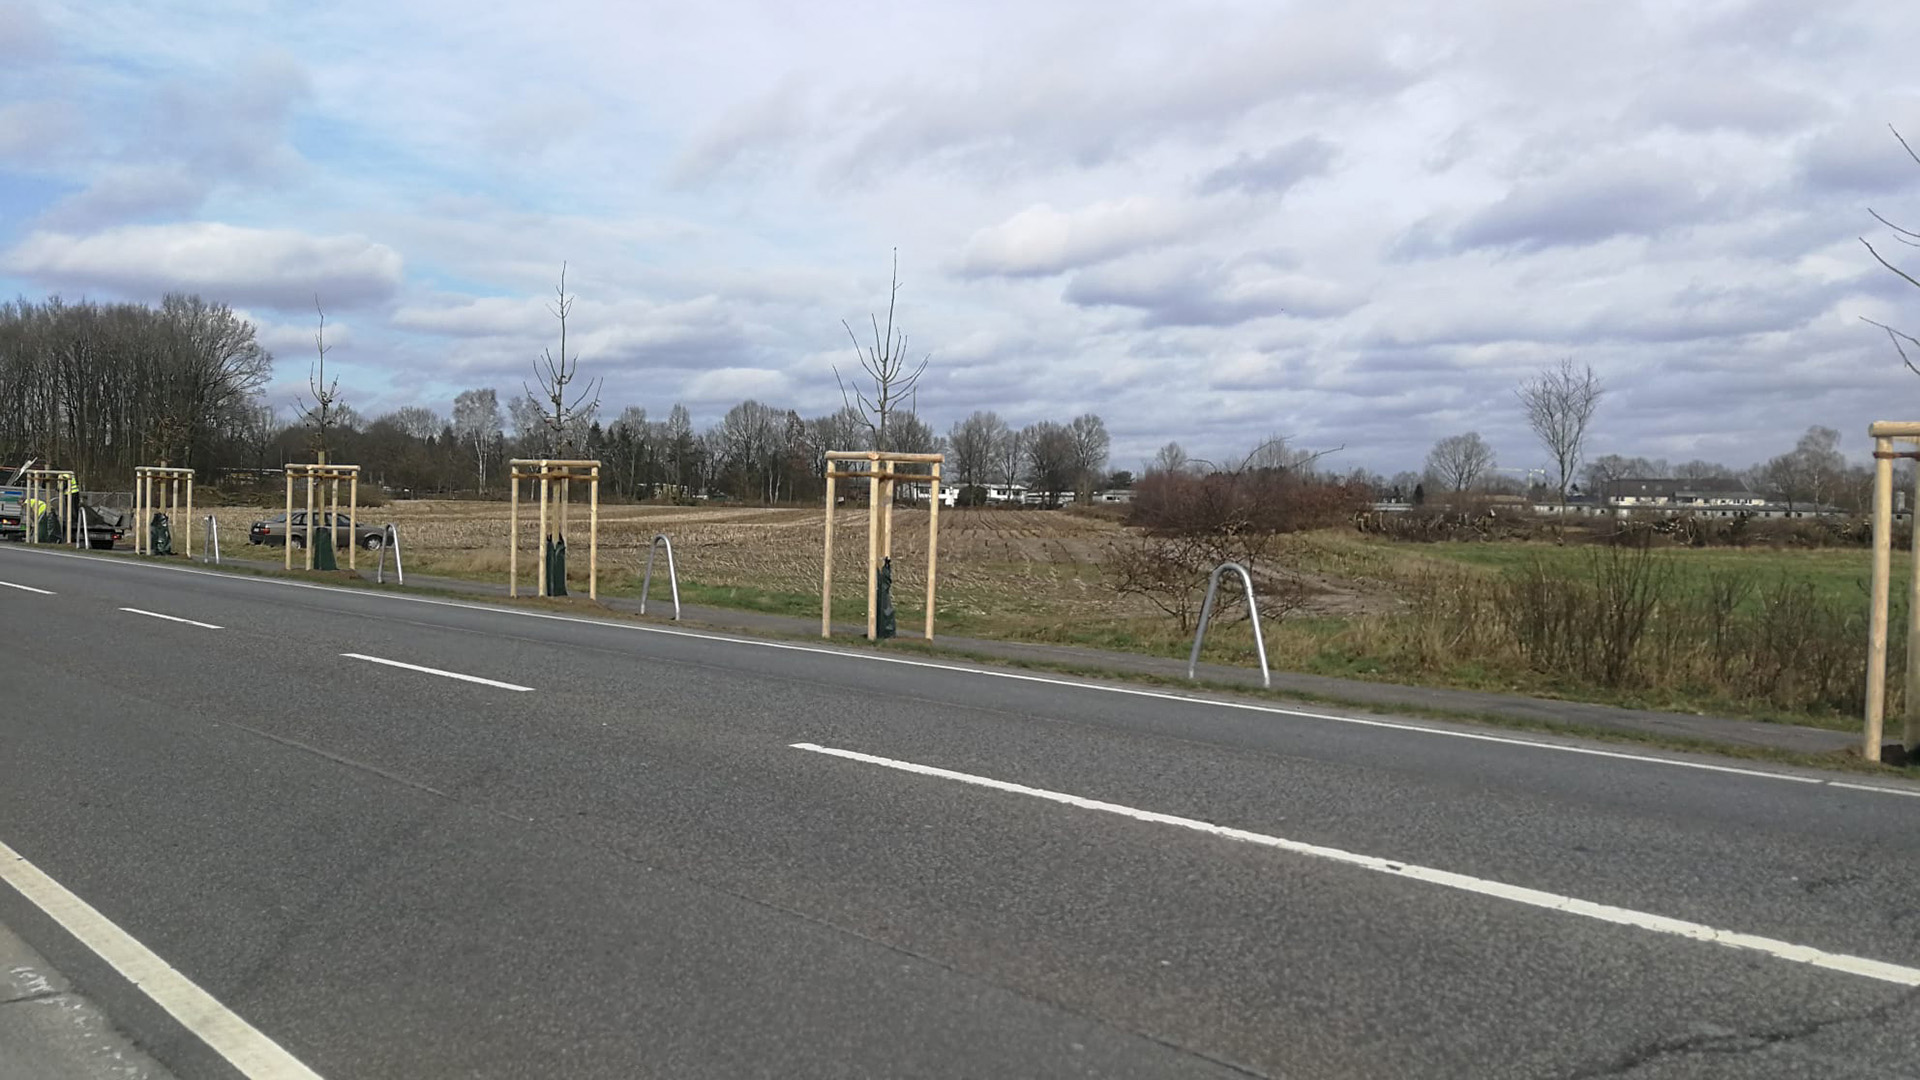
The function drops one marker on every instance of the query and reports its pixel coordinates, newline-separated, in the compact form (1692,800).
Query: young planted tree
(323,416)
(889,379)
(564,414)
(1559,404)
(1458,461)
(1901,235)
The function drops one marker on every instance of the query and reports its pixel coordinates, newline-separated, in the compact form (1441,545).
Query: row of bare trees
(102,388)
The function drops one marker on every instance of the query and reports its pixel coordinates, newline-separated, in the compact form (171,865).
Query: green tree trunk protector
(49,529)
(557,566)
(884,600)
(160,536)
(323,550)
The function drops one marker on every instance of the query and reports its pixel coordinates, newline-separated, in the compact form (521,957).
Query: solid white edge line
(26,588)
(1660,924)
(437,671)
(248,1050)
(1245,706)
(1874,788)
(171,618)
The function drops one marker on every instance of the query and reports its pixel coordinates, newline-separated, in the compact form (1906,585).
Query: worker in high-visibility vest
(31,510)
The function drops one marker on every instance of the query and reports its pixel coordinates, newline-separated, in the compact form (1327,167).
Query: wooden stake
(308,558)
(873,558)
(289,525)
(189,517)
(546,496)
(1911,734)
(933,541)
(353,515)
(826,575)
(1877,616)
(593,537)
(886,526)
(513,532)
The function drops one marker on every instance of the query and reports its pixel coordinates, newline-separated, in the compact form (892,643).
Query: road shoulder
(48,1031)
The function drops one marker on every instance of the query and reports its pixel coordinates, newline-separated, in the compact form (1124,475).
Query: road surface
(342,834)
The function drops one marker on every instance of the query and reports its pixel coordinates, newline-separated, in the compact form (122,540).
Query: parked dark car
(273,531)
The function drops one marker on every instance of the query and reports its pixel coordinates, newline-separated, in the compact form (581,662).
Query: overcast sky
(1357,223)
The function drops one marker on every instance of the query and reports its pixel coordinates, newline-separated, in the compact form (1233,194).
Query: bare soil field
(994,565)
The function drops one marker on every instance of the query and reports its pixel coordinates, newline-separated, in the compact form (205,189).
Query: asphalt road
(631,870)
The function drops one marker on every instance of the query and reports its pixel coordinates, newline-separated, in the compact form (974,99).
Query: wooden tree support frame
(157,489)
(54,487)
(331,475)
(880,477)
(556,483)
(1885,434)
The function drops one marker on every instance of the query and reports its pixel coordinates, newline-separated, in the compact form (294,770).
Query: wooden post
(933,540)
(1911,735)
(886,526)
(826,575)
(308,558)
(189,517)
(513,532)
(545,497)
(873,555)
(1877,616)
(289,528)
(593,536)
(353,515)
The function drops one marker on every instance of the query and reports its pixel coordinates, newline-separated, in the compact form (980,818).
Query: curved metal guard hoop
(673,577)
(212,551)
(1253,612)
(390,540)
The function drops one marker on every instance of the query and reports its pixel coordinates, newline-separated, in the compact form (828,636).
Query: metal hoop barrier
(213,540)
(673,576)
(1253,612)
(390,539)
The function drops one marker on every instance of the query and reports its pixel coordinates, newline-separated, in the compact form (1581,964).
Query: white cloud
(1040,240)
(271,267)
(725,387)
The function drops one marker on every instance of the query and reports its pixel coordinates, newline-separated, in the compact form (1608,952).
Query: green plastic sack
(160,536)
(556,566)
(884,601)
(323,550)
(49,529)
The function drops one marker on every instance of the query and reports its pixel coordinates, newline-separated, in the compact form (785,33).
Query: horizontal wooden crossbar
(912,477)
(324,472)
(162,471)
(554,463)
(880,455)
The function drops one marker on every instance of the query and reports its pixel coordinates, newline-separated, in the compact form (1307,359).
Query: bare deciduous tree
(1900,338)
(1560,403)
(476,420)
(1458,461)
(1171,458)
(323,415)
(973,443)
(1090,448)
(556,377)
(885,364)
(1010,456)
(1051,459)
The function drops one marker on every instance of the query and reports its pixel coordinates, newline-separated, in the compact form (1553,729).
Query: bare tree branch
(1896,337)
(885,365)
